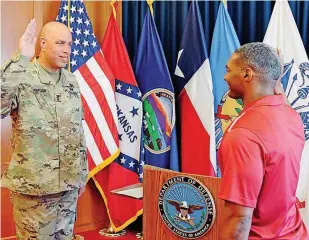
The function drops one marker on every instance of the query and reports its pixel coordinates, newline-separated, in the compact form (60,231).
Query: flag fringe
(127,223)
(104,164)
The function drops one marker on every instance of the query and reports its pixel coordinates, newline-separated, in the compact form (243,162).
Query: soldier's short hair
(262,58)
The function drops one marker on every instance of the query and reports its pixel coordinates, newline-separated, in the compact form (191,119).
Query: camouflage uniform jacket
(49,152)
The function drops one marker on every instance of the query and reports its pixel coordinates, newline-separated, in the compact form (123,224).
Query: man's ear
(248,74)
(43,43)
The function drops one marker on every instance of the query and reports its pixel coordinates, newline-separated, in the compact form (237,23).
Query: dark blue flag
(152,75)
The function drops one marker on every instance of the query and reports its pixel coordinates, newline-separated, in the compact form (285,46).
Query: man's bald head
(52,28)
(56,41)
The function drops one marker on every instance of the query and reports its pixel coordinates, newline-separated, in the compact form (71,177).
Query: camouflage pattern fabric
(49,150)
(45,217)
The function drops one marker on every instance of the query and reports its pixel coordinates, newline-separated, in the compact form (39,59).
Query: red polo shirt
(260,158)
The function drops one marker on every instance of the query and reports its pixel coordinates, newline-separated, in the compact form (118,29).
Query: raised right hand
(28,40)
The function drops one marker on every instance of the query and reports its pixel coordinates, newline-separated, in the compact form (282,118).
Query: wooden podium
(154,228)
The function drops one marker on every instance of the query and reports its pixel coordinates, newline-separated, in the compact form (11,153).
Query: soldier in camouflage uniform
(48,170)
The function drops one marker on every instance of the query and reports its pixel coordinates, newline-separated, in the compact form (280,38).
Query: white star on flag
(75,52)
(73,9)
(123,160)
(78,31)
(129,90)
(86,32)
(93,44)
(84,53)
(85,43)
(118,86)
(65,8)
(63,18)
(77,41)
(79,20)
(81,10)
(73,63)
(131,164)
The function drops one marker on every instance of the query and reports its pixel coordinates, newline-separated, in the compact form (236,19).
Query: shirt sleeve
(11,75)
(83,154)
(242,157)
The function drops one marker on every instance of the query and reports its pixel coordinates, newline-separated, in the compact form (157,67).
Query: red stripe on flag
(99,94)
(95,132)
(91,163)
(98,56)
(195,158)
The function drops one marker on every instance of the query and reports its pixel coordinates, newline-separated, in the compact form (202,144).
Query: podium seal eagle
(187,207)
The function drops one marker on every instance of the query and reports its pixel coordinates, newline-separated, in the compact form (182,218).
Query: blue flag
(224,43)
(152,75)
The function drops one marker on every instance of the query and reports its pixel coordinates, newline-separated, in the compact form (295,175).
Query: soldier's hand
(28,40)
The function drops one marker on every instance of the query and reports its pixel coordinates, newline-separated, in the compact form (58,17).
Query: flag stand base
(109,232)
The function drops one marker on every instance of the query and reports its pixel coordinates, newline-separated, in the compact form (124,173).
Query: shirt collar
(272,100)
(46,78)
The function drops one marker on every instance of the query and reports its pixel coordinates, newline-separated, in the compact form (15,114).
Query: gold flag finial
(150,2)
(113,7)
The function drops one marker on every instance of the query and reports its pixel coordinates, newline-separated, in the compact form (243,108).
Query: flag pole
(110,231)
(69,65)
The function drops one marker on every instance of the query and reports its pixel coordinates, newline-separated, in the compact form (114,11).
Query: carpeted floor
(95,235)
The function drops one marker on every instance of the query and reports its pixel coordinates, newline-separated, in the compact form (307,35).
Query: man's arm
(242,155)
(11,75)
(12,72)
(235,221)
(84,161)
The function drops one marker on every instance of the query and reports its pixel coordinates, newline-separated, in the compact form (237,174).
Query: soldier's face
(58,48)
(234,78)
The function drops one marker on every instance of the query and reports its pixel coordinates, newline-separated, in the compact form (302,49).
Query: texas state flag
(195,100)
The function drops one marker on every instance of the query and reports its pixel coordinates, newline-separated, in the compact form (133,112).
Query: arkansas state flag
(152,75)
(282,33)
(126,170)
(195,99)
(224,43)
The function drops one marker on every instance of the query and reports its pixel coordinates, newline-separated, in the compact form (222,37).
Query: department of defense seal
(186,207)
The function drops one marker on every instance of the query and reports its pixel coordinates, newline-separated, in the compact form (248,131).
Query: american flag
(97,85)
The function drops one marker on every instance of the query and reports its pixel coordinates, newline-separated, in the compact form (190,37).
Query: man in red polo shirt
(260,152)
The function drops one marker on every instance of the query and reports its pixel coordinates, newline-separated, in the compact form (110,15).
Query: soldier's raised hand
(28,40)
